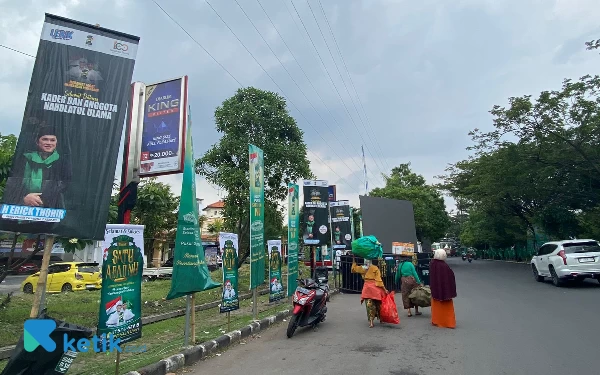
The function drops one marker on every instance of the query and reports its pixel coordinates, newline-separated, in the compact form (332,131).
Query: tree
(216,227)
(8,143)
(260,118)
(431,218)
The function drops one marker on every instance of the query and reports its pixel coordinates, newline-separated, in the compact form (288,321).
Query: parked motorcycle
(310,304)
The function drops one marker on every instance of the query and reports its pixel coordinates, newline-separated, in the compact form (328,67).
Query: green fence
(516,254)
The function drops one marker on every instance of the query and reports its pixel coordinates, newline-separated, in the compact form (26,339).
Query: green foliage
(431,218)
(72,244)
(8,143)
(261,118)
(216,227)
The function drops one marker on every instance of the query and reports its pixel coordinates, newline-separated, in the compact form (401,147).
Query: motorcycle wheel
(292,325)
(470,260)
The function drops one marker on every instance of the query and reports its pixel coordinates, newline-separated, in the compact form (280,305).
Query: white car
(567,260)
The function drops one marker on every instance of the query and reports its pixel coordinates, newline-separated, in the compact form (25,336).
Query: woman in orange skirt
(373,290)
(443,290)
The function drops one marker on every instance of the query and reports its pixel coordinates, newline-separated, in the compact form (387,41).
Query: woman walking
(443,290)
(373,289)
(407,274)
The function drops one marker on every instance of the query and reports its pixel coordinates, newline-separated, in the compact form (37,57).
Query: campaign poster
(121,296)
(276,291)
(332,193)
(316,214)
(229,248)
(341,228)
(164,128)
(64,165)
(293,232)
(257,216)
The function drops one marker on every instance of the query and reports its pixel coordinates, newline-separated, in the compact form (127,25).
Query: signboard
(316,215)
(257,217)
(229,247)
(162,148)
(211,254)
(276,291)
(332,193)
(341,228)
(62,174)
(293,245)
(403,248)
(121,295)
(190,272)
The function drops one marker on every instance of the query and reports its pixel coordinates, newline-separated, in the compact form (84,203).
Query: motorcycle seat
(320,294)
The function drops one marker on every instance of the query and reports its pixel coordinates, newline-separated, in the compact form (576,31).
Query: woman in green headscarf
(39,178)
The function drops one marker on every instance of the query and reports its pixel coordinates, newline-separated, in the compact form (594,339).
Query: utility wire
(241,85)
(325,67)
(344,83)
(351,80)
(16,50)
(299,88)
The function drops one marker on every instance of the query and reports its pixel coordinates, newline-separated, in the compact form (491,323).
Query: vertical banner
(293,245)
(190,272)
(121,296)
(276,289)
(229,248)
(64,165)
(341,229)
(316,215)
(164,128)
(257,217)
(332,193)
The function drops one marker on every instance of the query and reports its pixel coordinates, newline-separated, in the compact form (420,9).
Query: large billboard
(316,215)
(341,228)
(163,128)
(64,166)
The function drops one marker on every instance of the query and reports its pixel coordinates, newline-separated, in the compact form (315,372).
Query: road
(12,283)
(507,323)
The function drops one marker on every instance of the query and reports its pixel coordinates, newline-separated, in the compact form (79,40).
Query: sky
(405,79)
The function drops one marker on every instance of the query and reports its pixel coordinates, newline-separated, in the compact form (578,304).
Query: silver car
(567,260)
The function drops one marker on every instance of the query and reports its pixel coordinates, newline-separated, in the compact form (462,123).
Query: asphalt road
(12,283)
(507,323)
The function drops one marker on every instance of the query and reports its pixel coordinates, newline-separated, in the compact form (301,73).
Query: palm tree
(201,220)
(216,227)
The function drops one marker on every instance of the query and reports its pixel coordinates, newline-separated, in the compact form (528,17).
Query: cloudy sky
(423,73)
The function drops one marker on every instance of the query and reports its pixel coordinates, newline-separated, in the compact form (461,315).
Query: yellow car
(67,277)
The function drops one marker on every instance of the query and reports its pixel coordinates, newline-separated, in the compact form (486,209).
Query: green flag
(190,273)
(293,226)
(257,217)
(276,291)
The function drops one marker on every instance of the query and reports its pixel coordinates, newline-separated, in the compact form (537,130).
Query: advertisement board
(316,214)
(341,228)
(63,170)
(257,216)
(229,248)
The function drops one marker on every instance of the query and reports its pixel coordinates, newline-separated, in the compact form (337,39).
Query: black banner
(341,228)
(316,214)
(64,165)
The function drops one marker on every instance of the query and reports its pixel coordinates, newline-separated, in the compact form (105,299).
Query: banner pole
(255,303)
(193,319)
(186,339)
(118,363)
(41,284)
(228,321)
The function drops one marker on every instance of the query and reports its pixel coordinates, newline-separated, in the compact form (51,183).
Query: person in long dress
(407,275)
(373,290)
(443,291)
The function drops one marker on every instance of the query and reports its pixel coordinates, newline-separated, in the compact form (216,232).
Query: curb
(193,354)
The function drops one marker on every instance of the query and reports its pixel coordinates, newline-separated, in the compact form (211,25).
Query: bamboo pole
(41,284)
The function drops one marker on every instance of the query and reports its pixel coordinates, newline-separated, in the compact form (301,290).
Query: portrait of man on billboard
(40,176)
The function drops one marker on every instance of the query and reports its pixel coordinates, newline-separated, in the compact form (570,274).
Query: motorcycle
(310,304)
(468,257)
(464,256)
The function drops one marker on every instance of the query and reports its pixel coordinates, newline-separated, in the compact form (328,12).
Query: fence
(516,254)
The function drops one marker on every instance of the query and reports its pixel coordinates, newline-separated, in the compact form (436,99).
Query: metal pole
(193,319)
(41,284)
(228,321)
(186,339)
(255,303)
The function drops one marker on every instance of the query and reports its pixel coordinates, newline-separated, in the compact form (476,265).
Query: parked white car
(567,260)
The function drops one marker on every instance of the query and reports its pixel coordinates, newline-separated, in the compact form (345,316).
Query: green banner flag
(121,295)
(293,226)
(190,272)
(257,217)
(276,291)
(229,249)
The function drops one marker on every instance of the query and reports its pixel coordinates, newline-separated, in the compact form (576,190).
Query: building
(212,212)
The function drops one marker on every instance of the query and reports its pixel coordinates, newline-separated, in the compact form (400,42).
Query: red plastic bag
(389,312)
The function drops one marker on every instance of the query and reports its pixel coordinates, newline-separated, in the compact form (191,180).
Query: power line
(323,63)
(16,50)
(350,76)
(299,88)
(343,82)
(231,75)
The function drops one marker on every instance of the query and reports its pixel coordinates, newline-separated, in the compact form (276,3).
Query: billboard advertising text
(64,165)
(316,215)
(341,228)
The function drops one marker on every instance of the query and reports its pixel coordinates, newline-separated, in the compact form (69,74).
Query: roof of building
(219,204)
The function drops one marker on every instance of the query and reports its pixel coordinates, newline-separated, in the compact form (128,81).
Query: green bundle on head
(367,247)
